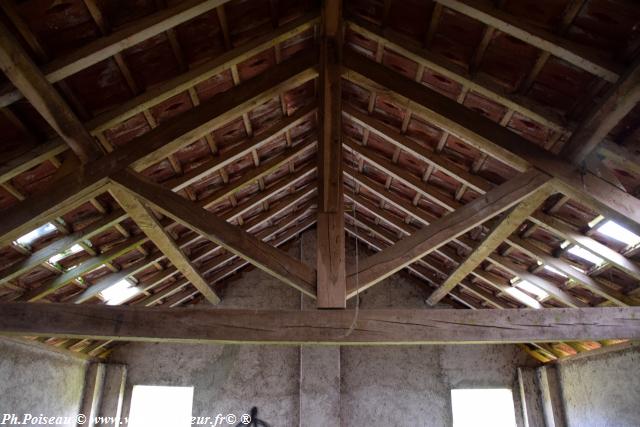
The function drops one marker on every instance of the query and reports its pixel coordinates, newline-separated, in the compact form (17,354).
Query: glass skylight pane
(586,255)
(119,292)
(619,233)
(72,250)
(483,407)
(532,289)
(43,230)
(160,406)
(523,298)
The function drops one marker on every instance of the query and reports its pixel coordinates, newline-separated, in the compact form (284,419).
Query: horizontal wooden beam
(379,327)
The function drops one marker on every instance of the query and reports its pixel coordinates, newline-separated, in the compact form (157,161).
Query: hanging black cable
(255,422)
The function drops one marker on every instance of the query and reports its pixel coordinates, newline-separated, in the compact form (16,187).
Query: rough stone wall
(38,381)
(602,391)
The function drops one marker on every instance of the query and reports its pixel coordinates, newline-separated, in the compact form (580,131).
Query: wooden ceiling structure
(470,144)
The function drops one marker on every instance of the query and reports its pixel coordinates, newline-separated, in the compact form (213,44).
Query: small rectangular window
(483,408)
(161,406)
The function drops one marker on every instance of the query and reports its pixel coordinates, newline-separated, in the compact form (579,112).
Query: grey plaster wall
(227,379)
(374,386)
(38,381)
(602,391)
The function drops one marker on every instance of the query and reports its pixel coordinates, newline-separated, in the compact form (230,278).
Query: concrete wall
(38,381)
(603,390)
(399,386)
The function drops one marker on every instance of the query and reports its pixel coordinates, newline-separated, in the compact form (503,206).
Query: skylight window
(585,255)
(619,233)
(532,289)
(483,407)
(31,237)
(72,250)
(160,406)
(119,292)
(523,298)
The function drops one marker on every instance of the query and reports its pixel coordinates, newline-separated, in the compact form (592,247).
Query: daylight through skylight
(619,233)
(532,289)
(581,252)
(29,238)
(523,298)
(119,292)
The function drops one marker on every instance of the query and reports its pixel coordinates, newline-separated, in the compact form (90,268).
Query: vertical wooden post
(331,263)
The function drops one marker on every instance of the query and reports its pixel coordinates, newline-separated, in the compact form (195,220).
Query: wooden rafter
(580,56)
(617,103)
(70,190)
(330,241)
(116,42)
(262,255)
(150,226)
(26,76)
(408,250)
(200,324)
(507,225)
(446,252)
(495,140)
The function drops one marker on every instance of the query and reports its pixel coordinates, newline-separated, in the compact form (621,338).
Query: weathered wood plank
(330,241)
(392,326)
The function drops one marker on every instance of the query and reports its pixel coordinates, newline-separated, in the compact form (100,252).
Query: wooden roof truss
(346,148)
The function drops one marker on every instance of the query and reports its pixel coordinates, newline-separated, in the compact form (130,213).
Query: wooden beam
(162,92)
(25,75)
(495,238)
(620,99)
(413,50)
(200,73)
(59,246)
(379,327)
(495,140)
(72,190)
(440,232)
(331,258)
(260,254)
(449,253)
(150,226)
(578,55)
(129,35)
